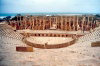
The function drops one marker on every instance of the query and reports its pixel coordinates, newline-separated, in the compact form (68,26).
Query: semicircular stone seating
(6,30)
(93,36)
(9,39)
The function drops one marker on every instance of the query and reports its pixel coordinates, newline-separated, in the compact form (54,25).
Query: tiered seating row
(5,30)
(88,37)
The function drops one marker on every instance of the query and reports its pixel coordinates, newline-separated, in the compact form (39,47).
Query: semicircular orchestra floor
(49,40)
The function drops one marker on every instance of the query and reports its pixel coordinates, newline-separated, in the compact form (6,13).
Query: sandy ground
(79,54)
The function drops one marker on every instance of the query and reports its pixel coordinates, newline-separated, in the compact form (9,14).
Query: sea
(2,15)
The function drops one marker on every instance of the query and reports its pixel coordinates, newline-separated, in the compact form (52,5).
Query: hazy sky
(31,6)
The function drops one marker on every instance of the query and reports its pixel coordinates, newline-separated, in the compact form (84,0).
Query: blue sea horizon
(43,13)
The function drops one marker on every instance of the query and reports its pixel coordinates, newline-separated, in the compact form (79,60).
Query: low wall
(46,46)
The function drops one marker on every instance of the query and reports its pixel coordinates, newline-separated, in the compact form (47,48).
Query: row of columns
(68,23)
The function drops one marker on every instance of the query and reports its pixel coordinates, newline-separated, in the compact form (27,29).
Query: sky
(33,6)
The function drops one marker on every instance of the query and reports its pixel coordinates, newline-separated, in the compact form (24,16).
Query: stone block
(24,49)
(95,44)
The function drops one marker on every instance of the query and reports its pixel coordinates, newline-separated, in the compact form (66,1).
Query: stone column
(20,23)
(43,23)
(40,23)
(32,22)
(56,22)
(50,21)
(25,22)
(69,23)
(61,22)
(73,22)
(83,23)
(17,21)
(77,23)
(65,23)
(36,24)
(88,23)
(92,23)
